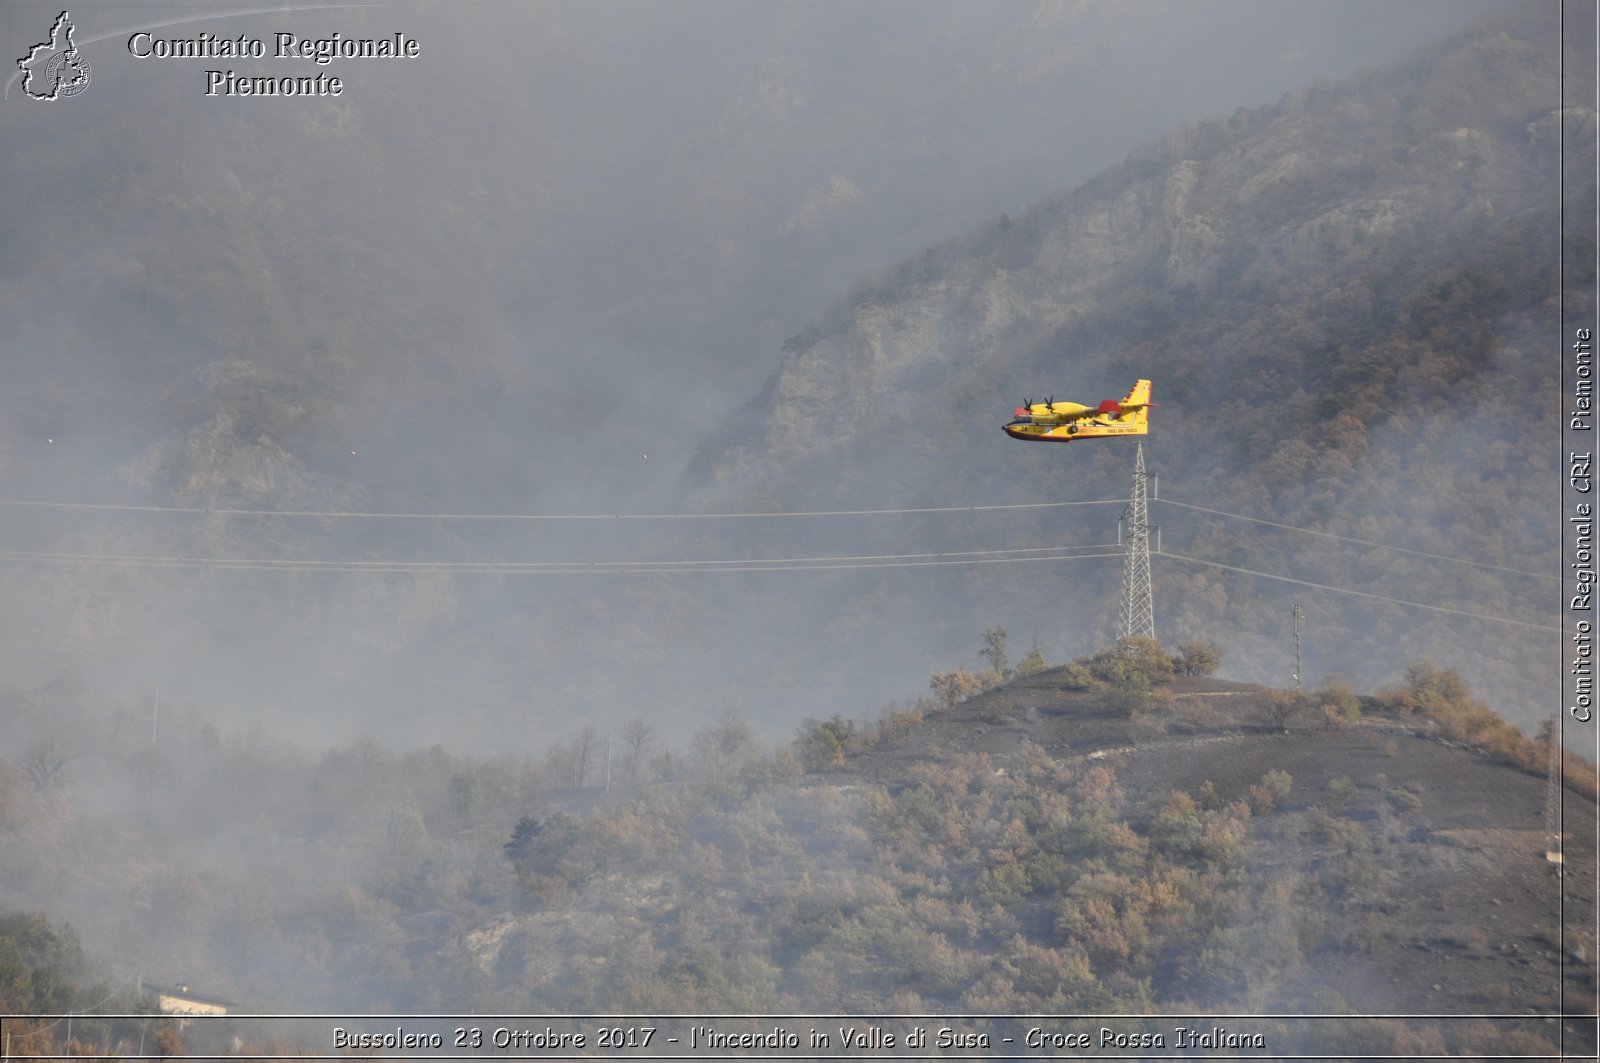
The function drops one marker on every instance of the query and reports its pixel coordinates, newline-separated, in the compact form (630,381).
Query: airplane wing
(1058,412)
(1066,412)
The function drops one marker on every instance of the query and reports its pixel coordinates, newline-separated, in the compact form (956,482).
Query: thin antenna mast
(1299,614)
(1552,796)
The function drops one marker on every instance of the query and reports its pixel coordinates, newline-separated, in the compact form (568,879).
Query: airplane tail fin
(1139,400)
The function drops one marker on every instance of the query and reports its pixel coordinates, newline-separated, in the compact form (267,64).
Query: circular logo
(67,73)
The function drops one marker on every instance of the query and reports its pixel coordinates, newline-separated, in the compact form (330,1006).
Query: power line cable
(399,515)
(88,1013)
(959,557)
(487,517)
(1362,542)
(1364,594)
(356,515)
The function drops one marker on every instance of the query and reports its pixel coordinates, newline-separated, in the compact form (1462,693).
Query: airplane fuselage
(1065,422)
(1032,431)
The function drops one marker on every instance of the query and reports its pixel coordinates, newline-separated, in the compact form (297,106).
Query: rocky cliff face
(1340,298)
(1392,177)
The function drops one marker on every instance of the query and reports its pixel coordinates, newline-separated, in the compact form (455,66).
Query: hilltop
(1457,905)
(1102,837)
(1041,848)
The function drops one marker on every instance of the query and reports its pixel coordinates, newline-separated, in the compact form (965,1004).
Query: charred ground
(1445,901)
(1071,842)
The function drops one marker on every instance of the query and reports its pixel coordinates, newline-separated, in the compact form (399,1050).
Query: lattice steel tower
(1138,600)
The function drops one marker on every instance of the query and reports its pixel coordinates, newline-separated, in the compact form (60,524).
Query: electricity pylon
(1138,599)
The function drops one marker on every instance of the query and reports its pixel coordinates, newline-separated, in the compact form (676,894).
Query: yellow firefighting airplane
(1062,422)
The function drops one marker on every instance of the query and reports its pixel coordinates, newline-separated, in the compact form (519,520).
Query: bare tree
(994,651)
(726,746)
(1282,705)
(45,761)
(583,753)
(637,738)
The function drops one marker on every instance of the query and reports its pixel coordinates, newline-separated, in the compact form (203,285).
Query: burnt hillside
(1103,837)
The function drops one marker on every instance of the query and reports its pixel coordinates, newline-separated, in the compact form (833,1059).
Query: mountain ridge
(1337,188)
(1339,298)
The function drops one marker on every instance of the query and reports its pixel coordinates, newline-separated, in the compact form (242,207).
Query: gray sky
(527,271)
